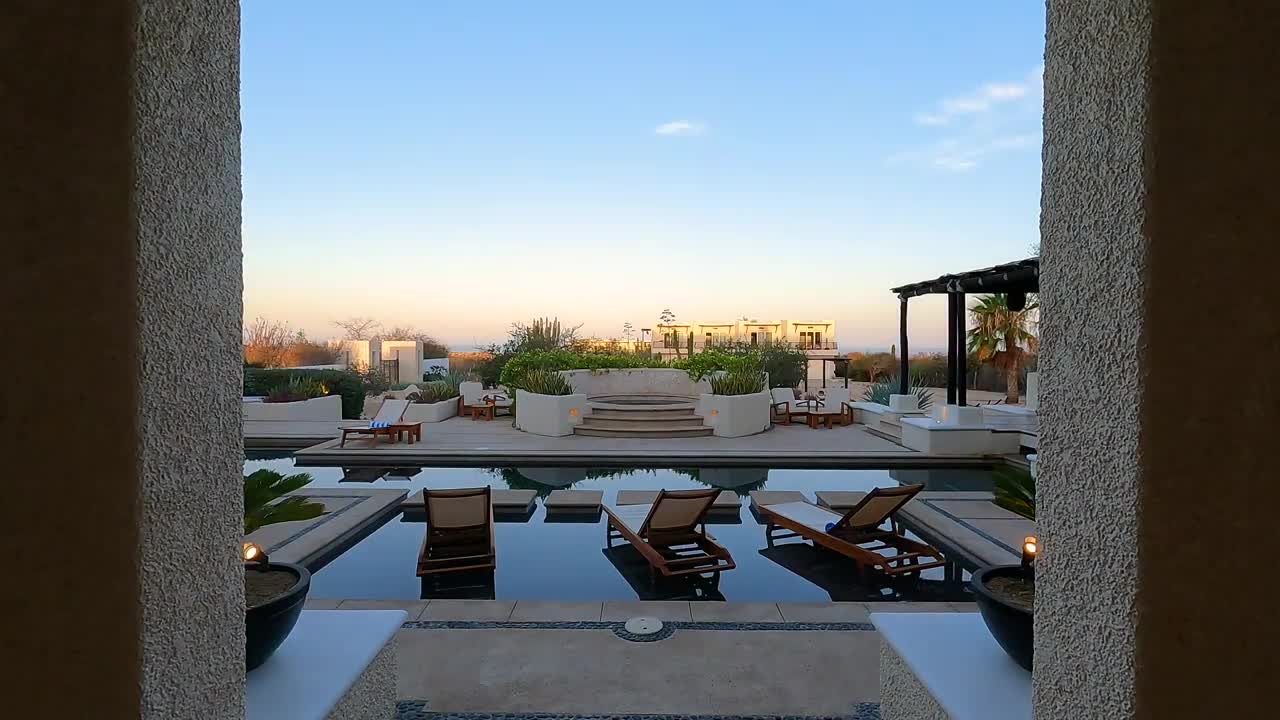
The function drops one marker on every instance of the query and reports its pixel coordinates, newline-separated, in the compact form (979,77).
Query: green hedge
(521,363)
(258,381)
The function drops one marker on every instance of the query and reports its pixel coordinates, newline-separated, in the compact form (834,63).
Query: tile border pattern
(619,628)
(965,524)
(417,710)
(327,517)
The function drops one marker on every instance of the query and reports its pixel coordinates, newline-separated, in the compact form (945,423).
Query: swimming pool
(566,561)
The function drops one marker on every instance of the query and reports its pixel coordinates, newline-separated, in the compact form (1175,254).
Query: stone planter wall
(328,407)
(431,412)
(551,415)
(635,381)
(735,415)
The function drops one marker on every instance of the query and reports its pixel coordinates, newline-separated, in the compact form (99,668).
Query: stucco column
(1161,332)
(121,289)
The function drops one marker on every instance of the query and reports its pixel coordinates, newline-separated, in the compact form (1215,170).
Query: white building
(400,359)
(817,338)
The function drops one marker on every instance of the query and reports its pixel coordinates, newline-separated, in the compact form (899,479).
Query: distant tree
(670,337)
(358,328)
(1002,336)
(431,347)
(266,342)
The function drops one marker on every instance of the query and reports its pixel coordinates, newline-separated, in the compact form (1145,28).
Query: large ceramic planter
(1010,625)
(663,382)
(267,624)
(431,412)
(328,407)
(735,415)
(550,415)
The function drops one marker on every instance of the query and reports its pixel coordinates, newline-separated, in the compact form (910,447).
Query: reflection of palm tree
(1000,334)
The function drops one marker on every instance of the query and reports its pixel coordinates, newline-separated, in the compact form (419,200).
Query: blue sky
(462,165)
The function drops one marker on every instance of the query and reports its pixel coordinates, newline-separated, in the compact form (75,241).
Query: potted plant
(274,592)
(435,401)
(546,403)
(738,403)
(300,398)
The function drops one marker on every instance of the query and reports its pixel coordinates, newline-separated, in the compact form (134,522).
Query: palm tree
(1003,336)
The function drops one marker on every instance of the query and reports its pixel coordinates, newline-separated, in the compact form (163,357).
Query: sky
(459,166)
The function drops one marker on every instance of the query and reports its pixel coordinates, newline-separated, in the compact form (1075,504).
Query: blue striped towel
(379,424)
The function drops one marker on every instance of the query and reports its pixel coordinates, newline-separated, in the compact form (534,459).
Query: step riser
(605,432)
(642,414)
(593,421)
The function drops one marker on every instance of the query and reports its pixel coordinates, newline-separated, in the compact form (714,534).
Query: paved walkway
(467,442)
(472,659)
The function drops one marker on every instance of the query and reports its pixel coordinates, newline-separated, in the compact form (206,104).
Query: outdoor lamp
(573,412)
(1030,547)
(253,553)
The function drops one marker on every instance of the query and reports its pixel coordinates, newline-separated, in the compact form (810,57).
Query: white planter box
(635,381)
(321,408)
(957,415)
(431,412)
(904,403)
(551,415)
(735,415)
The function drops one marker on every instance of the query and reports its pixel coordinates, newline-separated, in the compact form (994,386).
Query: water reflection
(563,557)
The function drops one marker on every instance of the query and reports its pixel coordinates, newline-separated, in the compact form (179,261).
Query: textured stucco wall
(1159,158)
(119,206)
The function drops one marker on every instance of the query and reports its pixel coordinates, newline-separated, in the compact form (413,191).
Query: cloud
(983,100)
(681,127)
(964,154)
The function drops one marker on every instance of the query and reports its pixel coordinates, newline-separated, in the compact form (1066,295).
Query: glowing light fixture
(1030,548)
(253,553)
(573,412)
(714,412)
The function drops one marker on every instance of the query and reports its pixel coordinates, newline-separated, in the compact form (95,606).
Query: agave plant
(434,392)
(1015,490)
(262,505)
(743,382)
(544,382)
(880,390)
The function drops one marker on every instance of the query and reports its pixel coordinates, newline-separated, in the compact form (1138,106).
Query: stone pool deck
(349,515)
(460,441)
(509,660)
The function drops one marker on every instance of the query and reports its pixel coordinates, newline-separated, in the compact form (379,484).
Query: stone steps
(642,413)
(642,420)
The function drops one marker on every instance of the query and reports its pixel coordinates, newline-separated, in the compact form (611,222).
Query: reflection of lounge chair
(671,533)
(858,534)
(638,573)
(388,415)
(459,531)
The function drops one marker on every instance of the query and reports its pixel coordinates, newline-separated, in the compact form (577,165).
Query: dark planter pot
(268,624)
(1011,626)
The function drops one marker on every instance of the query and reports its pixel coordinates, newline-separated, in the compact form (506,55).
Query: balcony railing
(730,342)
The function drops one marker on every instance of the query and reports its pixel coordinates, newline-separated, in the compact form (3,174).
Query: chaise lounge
(384,423)
(671,533)
(859,534)
(459,532)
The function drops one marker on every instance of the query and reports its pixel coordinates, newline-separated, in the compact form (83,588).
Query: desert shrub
(305,352)
(740,382)
(258,381)
(880,390)
(374,380)
(297,389)
(700,365)
(787,367)
(542,382)
(561,359)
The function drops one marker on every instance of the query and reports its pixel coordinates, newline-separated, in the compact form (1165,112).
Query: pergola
(1014,278)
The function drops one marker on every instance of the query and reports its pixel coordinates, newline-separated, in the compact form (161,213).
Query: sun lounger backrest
(392,410)
(879,505)
(678,510)
(781,395)
(457,510)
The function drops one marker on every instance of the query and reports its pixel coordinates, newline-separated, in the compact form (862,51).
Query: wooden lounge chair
(388,416)
(459,532)
(858,534)
(780,407)
(671,533)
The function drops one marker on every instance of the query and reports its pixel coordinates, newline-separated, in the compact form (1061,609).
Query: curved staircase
(641,417)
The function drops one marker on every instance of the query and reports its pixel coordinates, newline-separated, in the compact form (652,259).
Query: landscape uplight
(253,553)
(1030,548)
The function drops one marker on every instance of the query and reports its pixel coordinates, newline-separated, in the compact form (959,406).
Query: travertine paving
(465,659)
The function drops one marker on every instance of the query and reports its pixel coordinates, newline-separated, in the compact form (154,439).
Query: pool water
(567,561)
